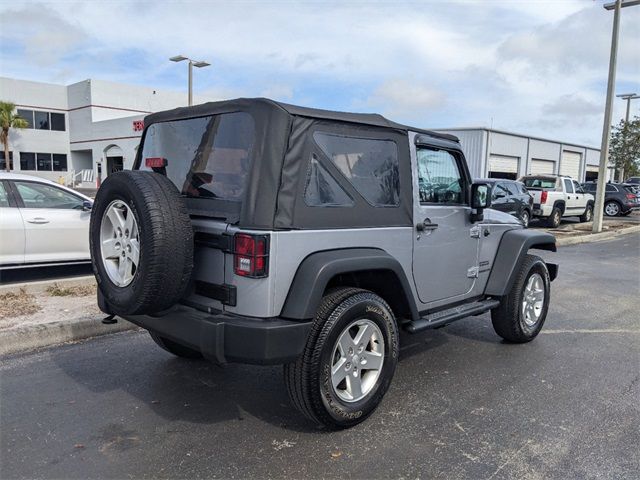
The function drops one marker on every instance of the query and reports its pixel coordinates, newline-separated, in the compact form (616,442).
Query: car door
(581,197)
(500,198)
(11,228)
(56,224)
(445,244)
(570,197)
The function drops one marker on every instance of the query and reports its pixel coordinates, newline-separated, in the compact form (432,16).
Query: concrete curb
(41,286)
(596,237)
(22,339)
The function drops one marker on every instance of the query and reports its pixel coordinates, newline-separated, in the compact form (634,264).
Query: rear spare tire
(141,242)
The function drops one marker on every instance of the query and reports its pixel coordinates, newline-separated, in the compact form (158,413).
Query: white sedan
(41,222)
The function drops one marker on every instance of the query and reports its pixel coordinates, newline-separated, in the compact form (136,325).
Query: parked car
(618,198)
(42,222)
(555,197)
(633,180)
(259,232)
(510,197)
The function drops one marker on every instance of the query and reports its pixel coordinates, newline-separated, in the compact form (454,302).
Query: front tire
(522,312)
(349,360)
(587,216)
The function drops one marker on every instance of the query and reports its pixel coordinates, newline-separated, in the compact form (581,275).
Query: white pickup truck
(555,197)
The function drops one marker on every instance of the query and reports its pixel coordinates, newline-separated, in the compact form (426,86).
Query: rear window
(207,157)
(539,182)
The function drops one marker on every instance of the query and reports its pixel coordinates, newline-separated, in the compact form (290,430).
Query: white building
(499,154)
(81,131)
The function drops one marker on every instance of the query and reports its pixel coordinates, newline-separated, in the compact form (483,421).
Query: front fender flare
(513,247)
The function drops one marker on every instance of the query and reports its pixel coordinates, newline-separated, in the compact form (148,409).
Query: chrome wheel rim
(525,219)
(611,209)
(533,300)
(357,360)
(589,212)
(119,243)
(556,218)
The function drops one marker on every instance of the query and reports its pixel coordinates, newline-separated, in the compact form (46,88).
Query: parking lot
(462,404)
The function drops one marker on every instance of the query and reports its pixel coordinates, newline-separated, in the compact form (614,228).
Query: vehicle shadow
(195,391)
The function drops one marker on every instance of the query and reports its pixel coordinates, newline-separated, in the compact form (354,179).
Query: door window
(439,178)
(568,186)
(500,191)
(39,195)
(577,188)
(4,197)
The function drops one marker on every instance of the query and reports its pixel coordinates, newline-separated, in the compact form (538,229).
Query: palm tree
(8,120)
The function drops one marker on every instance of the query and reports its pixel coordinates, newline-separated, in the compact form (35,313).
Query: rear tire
(163,235)
(323,382)
(522,312)
(612,209)
(175,348)
(587,216)
(555,218)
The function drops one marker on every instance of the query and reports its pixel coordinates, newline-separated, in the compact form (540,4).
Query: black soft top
(212,108)
(273,197)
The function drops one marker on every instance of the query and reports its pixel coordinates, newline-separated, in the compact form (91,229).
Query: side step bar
(441,318)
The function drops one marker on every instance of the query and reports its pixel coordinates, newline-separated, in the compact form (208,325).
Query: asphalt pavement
(463,404)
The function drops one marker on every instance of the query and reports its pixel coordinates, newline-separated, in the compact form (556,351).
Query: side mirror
(480,199)
(87,206)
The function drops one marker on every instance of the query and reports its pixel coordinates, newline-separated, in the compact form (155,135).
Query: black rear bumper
(224,338)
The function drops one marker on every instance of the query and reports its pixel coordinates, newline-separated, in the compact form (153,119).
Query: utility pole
(604,146)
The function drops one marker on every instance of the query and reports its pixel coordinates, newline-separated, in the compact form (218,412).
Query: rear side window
(611,188)
(207,157)
(322,190)
(371,165)
(537,182)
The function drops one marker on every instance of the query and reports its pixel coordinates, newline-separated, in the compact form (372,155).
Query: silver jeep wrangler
(259,232)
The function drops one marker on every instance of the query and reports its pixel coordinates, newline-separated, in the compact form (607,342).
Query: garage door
(543,167)
(501,166)
(570,164)
(591,173)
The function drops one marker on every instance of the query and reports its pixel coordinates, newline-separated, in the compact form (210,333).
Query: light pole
(192,63)
(628,97)
(604,146)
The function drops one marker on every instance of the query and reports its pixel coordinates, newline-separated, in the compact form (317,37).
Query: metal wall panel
(474,148)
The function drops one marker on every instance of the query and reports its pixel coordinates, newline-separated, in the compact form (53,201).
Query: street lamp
(192,63)
(604,146)
(628,97)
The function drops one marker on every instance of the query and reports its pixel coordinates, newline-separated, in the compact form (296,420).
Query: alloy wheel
(533,300)
(119,243)
(357,360)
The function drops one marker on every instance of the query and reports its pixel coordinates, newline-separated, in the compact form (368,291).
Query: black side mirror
(87,206)
(480,199)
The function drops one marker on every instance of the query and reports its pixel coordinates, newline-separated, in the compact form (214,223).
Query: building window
(26,115)
(27,161)
(43,161)
(3,164)
(59,162)
(57,122)
(41,120)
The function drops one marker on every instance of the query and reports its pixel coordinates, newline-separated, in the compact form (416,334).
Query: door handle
(426,225)
(38,220)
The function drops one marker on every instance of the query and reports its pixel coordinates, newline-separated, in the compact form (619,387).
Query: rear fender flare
(316,271)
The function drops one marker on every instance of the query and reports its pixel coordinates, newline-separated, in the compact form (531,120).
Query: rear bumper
(224,338)
(541,210)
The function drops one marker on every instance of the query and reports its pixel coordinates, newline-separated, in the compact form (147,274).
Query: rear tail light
(631,196)
(155,162)
(543,197)
(250,255)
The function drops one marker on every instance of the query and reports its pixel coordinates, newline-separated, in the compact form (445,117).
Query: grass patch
(56,290)
(16,304)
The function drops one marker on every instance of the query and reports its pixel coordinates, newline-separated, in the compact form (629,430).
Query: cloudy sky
(531,66)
